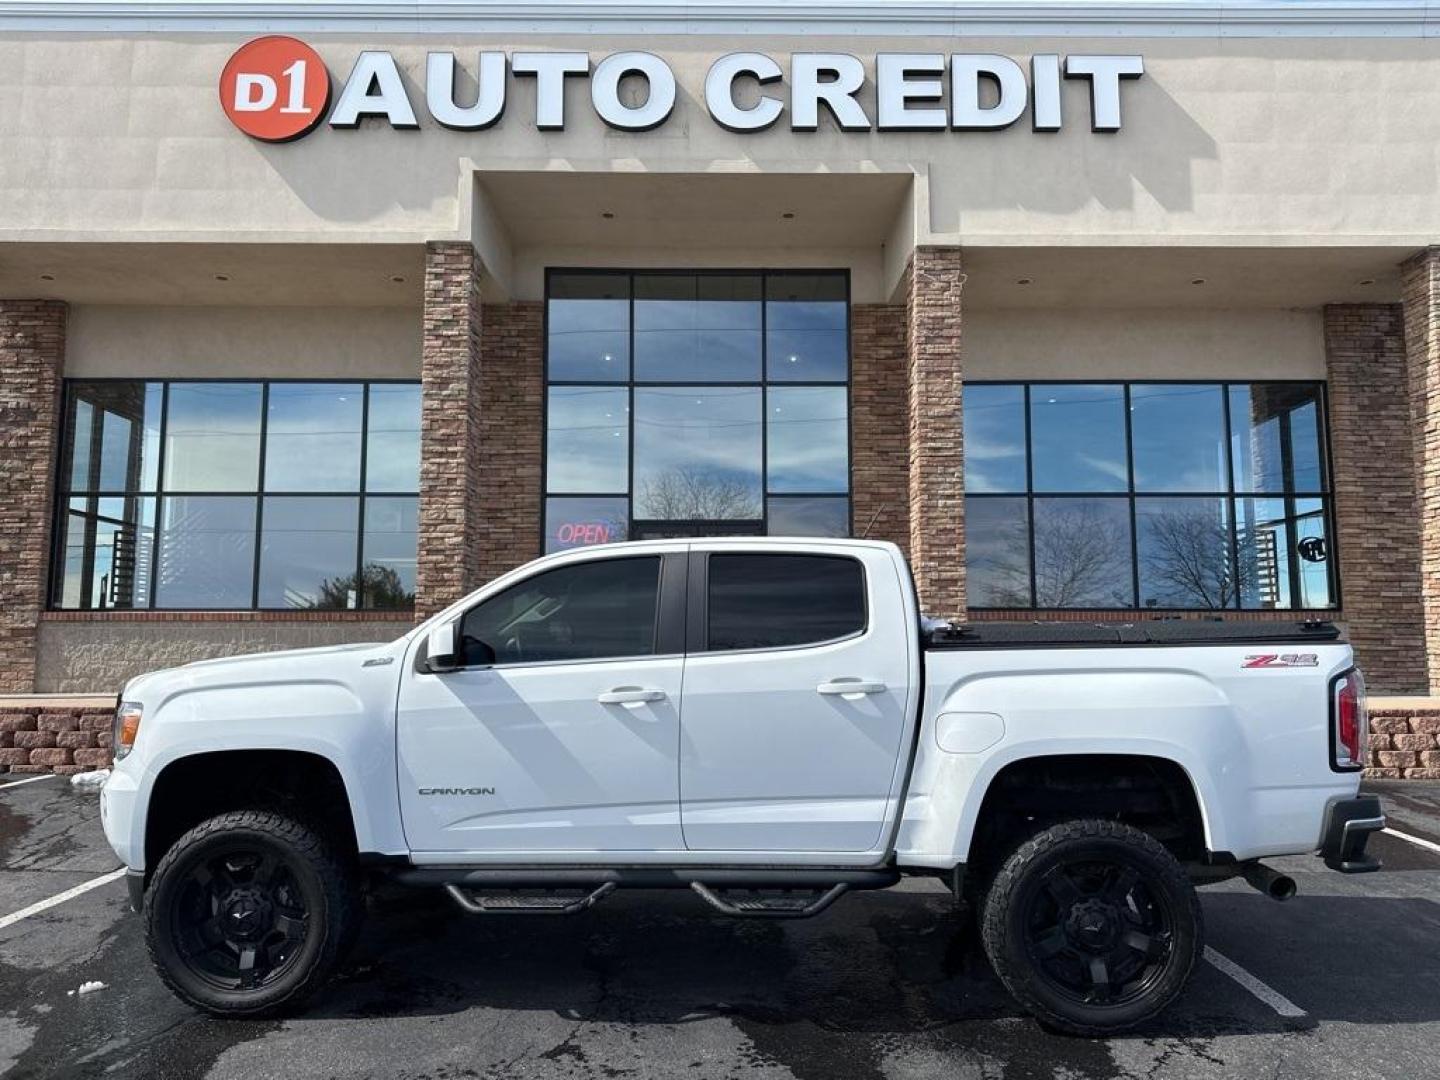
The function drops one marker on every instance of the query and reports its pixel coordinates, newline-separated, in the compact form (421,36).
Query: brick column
(937,487)
(880,467)
(512,435)
(451,505)
(1420,291)
(32,357)
(1378,538)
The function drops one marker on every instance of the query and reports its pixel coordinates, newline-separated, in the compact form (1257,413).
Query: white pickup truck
(767,722)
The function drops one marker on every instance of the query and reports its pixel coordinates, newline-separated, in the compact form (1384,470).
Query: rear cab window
(776,601)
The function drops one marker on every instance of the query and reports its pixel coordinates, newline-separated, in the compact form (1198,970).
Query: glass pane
(589,611)
(587,439)
(994,438)
(697,452)
(806,327)
(207,552)
(1284,553)
(392,447)
(308,552)
(692,328)
(312,438)
(212,437)
(1178,434)
(1275,437)
(770,601)
(1077,433)
(808,442)
(572,523)
(122,454)
(997,553)
(1184,552)
(588,327)
(794,516)
(1082,553)
(106,550)
(388,574)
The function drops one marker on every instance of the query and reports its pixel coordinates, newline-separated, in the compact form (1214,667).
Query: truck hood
(284,665)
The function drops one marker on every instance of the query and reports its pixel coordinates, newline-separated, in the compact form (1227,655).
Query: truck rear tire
(248,912)
(1093,926)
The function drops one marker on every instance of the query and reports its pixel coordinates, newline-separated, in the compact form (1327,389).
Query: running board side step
(528,904)
(785,905)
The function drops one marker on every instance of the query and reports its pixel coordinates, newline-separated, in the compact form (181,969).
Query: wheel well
(194,789)
(1153,794)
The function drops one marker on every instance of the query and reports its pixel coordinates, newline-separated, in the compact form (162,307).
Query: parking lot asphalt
(1343,981)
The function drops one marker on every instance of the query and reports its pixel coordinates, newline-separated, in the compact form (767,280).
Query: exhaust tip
(1272,883)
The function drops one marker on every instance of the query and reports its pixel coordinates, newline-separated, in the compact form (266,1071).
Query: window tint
(769,601)
(590,611)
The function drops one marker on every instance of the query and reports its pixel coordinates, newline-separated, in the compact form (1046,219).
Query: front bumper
(1348,825)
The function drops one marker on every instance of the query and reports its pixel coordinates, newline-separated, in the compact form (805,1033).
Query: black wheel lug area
(246,914)
(1092,925)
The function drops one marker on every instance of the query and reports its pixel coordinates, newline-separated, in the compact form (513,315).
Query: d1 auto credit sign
(275,89)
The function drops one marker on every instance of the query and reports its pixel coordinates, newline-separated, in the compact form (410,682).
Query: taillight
(1350,716)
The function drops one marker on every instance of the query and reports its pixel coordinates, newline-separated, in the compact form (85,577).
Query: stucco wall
(1147,344)
(98,657)
(1263,141)
(237,342)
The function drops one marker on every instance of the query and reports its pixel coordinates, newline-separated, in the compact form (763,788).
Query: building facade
(312,319)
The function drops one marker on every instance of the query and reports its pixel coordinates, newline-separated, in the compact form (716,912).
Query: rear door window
(782,601)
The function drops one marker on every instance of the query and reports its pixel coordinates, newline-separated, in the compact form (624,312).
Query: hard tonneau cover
(1156,632)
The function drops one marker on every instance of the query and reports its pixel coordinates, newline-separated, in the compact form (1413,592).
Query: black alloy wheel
(1093,926)
(248,912)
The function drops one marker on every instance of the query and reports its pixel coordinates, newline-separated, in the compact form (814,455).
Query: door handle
(630,695)
(846,687)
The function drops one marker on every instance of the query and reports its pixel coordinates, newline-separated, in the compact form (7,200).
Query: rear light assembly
(1349,722)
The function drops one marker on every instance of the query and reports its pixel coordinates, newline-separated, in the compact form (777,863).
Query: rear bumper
(1348,825)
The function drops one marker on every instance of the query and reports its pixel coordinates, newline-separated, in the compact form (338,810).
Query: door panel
(562,731)
(556,768)
(796,748)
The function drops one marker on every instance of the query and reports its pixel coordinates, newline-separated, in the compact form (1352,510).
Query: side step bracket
(528,904)
(786,905)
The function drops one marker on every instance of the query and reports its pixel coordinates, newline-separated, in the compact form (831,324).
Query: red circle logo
(275,89)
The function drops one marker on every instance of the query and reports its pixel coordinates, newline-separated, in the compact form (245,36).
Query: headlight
(127,726)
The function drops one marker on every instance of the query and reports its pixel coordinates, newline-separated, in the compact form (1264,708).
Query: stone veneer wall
(879,424)
(1420,292)
(451,506)
(936,436)
(1378,539)
(72,737)
(512,435)
(32,357)
(82,653)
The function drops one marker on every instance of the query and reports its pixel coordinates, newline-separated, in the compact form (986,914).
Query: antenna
(865,535)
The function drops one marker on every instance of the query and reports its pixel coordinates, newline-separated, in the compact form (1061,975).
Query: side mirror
(442,648)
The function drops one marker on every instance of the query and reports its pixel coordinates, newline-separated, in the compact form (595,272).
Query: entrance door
(561,731)
(797,700)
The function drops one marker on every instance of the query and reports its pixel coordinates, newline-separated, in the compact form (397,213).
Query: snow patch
(90,781)
(86,988)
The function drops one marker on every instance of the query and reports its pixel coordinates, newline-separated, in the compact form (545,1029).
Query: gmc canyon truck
(770,723)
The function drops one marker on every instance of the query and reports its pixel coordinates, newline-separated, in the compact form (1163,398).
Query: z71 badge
(1274,660)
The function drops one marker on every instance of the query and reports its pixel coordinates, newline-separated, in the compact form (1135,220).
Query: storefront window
(1111,495)
(733,417)
(192,495)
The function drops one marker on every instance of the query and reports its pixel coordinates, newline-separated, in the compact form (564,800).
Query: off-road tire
(1083,843)
(328,881)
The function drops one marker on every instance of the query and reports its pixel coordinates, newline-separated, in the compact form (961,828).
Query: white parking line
(1270,996)
(1417,841)
(27,780)
(60,898)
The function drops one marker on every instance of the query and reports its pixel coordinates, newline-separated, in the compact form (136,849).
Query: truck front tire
(248,912)
(1092,925)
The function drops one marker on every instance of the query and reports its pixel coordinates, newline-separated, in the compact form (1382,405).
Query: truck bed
(1154,632)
